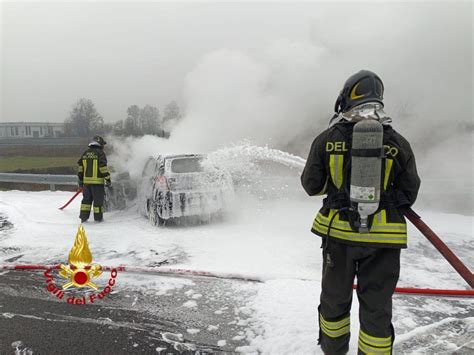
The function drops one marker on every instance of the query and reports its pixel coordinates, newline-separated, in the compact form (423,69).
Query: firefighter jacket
(327,171)
(92,167)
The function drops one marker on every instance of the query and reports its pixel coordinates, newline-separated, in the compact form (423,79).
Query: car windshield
(186,165)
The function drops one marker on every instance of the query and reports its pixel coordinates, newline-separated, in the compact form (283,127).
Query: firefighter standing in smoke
(93,173)
(353,246)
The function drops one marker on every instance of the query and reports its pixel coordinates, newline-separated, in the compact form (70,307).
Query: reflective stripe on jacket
(92,167)
(327,171)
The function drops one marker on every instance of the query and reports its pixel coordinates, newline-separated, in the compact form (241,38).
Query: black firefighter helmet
(364,86)
(98,141)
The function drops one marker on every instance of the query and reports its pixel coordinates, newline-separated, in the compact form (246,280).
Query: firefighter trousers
(92,194)
(377,271)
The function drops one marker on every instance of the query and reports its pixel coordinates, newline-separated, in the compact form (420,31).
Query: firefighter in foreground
(368,172)
(93,173)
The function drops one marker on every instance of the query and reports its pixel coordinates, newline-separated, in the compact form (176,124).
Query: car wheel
(153,215)
(161,221)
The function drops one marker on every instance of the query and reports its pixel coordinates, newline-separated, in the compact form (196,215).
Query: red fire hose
(253,278)
(455,262)
(431,291)
(72,198)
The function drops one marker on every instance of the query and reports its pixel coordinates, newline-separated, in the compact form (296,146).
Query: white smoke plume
(265,97)
(282,95)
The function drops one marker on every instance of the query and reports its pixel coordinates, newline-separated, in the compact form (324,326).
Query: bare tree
(132,122)
(84,120)
(150,120)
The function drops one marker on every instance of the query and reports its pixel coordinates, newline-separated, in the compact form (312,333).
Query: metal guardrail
(45,179)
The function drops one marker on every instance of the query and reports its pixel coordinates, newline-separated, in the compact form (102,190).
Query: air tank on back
(366,168)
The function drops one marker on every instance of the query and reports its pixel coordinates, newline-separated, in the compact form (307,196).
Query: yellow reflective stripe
(336,223)
(90,180)
(334,325)
(378,219)
(379,223)
(104,169)
(392,229)
(388,169)
(332,169)
(336,167)
(95,165)
(97,209)
(84,165)
(335,333)
(367,349)
(85,207)
(340,168)
(363,237)
(380,232)
(375,341)
(334,329)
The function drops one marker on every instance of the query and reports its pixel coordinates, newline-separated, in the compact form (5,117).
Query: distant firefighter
(93,173)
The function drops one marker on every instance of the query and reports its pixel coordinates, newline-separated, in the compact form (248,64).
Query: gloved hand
(108,183)
(81,184)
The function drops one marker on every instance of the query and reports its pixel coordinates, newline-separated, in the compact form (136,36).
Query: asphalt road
(171,315)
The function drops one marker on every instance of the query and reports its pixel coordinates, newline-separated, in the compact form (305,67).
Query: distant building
(31,129)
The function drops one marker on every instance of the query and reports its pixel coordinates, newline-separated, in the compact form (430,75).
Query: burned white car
(179,186)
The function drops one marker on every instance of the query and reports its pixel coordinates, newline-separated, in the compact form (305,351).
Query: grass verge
(9,164)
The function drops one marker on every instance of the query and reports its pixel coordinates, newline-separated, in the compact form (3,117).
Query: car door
(145,185)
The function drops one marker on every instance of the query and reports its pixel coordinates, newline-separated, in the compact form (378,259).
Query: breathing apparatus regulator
(367,145)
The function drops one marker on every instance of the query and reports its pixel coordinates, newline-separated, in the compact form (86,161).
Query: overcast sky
(124,53)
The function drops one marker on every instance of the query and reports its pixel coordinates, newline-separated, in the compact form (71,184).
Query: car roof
(173,156)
